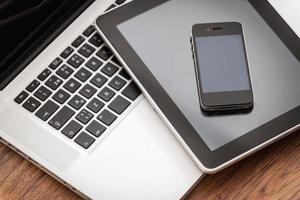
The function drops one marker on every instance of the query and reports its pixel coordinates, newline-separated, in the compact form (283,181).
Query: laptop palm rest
(29,134)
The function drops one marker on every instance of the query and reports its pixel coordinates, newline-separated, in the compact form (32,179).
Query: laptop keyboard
(83,91)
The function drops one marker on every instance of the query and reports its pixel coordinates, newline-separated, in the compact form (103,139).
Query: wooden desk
(273,173)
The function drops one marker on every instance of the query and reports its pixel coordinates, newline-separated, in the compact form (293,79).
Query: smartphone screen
(222,63)
(221,66)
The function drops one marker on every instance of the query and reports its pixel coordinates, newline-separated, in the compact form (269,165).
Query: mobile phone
(221,66)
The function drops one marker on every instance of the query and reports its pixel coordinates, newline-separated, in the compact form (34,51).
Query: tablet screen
(161,38)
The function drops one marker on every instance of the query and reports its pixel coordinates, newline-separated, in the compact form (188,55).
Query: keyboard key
(84,140)
(119,2)
(83,74)
(47,110)
(53,82)
(42,93)
(75,61)
(84,116)
(119,104)
(94,64)
(67,52)
(86,50)
(106,94)
(98,80)
(95,105)
(104,53)
(61,117)
(89,31)
(96,40)
(21,97)
(77,102)
(78,41)
(64,72)
(72,85)
(88,91)
(72,129)
(117,83)
(124,74)
(61,96)
(109,69)
(32,86)
(95,128)
(132,91)
(107,117)
(44,75)
(110,7)
(116,61)
(55,64)
(31,104)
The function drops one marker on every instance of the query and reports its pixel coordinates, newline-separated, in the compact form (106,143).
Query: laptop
(68,106)
(123,151)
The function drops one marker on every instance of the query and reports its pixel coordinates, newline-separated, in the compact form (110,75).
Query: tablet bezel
(209,161)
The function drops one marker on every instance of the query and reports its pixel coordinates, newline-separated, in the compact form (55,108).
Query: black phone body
(221,66)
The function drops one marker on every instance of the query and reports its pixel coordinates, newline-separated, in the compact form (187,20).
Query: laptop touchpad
(36,139)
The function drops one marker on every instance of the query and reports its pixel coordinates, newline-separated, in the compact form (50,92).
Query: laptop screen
(24,23)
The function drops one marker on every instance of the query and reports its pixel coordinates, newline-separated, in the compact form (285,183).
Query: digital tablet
(152,41)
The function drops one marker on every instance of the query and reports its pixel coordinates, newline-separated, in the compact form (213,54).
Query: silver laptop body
(136,157)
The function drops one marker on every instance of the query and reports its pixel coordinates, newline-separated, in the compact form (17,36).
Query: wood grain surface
(273,173)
